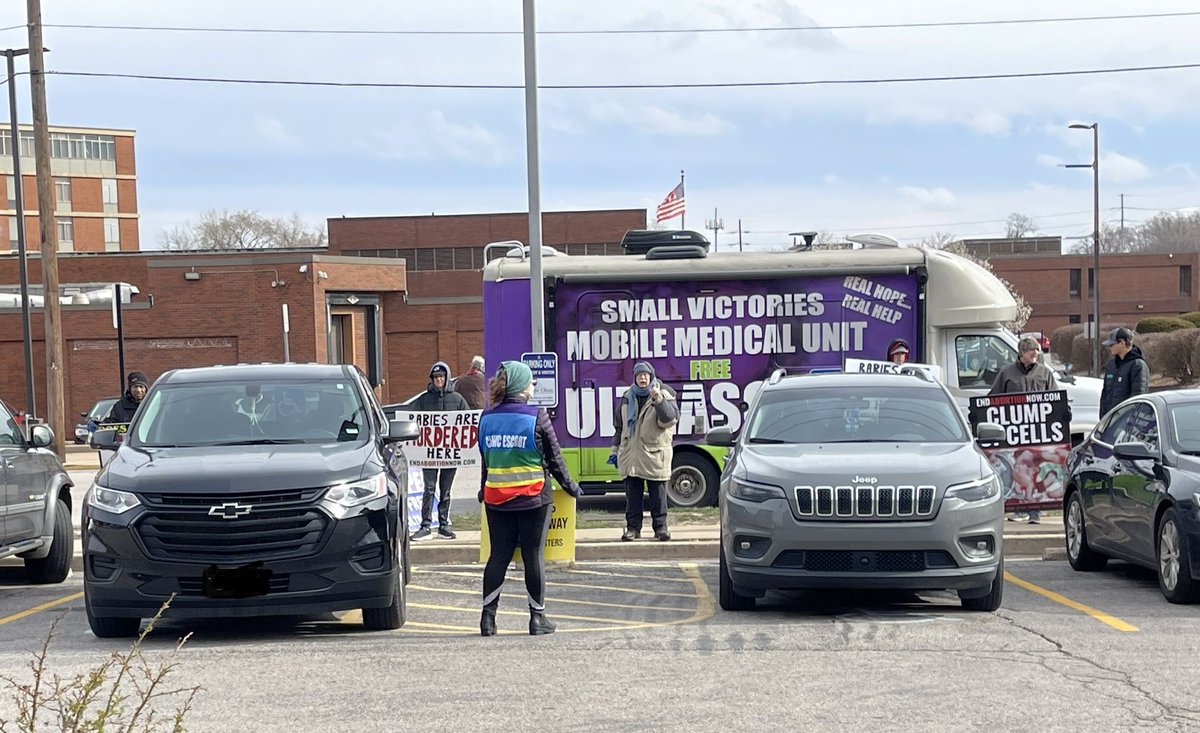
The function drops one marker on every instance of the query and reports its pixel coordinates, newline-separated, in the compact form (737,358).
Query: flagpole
(682,214)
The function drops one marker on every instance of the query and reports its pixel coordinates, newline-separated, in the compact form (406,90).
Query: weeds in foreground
(122,693)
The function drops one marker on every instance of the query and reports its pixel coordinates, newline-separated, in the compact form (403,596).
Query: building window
(12,232)
(80,147)
(1091,281)
(108,193)
(112,235)
(1072,319)
(62,191)
(10,186)
(66,231)
(1185,280)
(1073,285)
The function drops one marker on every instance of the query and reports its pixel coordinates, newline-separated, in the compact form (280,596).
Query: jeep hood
(840,464)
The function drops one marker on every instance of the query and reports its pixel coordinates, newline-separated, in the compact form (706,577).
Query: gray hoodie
(440,400)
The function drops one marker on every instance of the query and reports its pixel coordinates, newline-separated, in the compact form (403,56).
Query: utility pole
(1095,166)
(1122,221)
(537,296)
(715,225)
(48,228)
(19,202)
(739,235)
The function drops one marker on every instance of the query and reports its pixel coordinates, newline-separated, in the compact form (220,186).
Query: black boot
(487,622)
(539,624)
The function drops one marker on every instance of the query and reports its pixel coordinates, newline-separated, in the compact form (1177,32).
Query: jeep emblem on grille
(230,510)
(864,480)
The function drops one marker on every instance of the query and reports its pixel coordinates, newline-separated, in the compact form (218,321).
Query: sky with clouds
(907,159)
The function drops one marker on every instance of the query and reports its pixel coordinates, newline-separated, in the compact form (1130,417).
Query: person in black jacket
(439,397)
(1126,374)
(136,386)
(515,490)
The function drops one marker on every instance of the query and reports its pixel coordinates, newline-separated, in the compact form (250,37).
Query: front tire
(993,599)
(111,627)
(393,616)
(55,567)
(1174,566)
(1079,553)
(694,481)
(730,599)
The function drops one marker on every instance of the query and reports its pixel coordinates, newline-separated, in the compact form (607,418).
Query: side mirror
(720,437)
(105,438)
(402,430)
(1134,451)
(989,432)
(41,436)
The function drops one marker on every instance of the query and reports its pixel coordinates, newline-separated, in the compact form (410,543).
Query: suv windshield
(234,413)
(875,414)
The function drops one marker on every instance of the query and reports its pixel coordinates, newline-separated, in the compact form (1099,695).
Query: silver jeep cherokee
(859,481)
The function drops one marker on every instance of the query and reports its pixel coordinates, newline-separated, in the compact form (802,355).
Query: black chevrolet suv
(258,490)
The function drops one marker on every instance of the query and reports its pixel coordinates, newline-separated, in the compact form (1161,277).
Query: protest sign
(560,540)
(1032,459)
(871,366)
(446,440)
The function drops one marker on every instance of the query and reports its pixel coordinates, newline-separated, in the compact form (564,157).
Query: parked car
(35,501)
(859,481)
(1133,492)
(92,418)
(249,491)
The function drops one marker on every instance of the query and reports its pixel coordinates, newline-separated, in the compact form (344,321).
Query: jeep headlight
(111,500)
(357,493)
(747,491)
(984,488)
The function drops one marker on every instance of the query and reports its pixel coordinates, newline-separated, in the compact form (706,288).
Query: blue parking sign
(544,366)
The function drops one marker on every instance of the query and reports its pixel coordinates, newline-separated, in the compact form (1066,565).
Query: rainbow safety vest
(509,445)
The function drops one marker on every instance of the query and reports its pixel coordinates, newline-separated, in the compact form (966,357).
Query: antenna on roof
(873,241)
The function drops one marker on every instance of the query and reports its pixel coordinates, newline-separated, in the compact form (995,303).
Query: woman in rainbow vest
(520,453)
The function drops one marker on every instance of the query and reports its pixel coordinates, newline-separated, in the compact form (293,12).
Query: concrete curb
(1045,546)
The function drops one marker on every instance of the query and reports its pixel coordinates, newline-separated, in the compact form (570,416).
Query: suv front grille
(866,502)
(864,561)
(279,525)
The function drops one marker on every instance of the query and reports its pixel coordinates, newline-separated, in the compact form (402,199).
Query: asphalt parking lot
(645,646)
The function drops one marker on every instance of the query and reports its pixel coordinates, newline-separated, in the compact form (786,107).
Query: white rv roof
(959,292)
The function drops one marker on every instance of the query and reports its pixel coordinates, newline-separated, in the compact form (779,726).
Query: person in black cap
(1126,374)
(439,397)
(898,351)
(136,386)
(642,449)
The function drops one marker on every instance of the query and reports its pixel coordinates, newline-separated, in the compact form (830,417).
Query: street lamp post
(19,204)
(1095,166)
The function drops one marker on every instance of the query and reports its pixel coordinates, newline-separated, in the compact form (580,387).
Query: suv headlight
(111,500)
(985,488)
(358,493)
(747,491)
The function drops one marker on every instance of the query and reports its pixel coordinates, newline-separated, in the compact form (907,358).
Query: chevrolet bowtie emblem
(230,510)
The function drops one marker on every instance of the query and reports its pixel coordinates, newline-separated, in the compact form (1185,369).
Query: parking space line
(630,575)
(39,609)
(1101,616)
(556,599)
(459,609)
(635,591)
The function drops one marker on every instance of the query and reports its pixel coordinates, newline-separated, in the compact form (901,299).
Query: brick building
(95,187)
(442,315)
(199,309)
(1132,286)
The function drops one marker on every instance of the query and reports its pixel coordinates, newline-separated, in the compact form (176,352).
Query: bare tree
(245,229)
(939,240)
(1019,225)
(1166,232)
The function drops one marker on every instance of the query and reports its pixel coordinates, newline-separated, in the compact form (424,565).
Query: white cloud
(934,198)
(432,135)
(273,131)
(1119,168)
(990,123)
(655,120)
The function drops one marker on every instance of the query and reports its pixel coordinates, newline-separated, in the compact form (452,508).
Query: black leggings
(507,531)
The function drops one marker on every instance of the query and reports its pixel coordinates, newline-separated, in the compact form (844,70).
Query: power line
(697,85)
(622,31)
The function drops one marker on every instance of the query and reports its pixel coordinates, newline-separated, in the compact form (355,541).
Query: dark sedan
(1133,492)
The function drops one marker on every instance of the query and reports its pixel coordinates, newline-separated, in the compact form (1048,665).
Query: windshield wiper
(264,441)
(771,441)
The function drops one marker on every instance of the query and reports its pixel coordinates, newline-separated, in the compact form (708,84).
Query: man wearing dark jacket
(1025,374)
(439,397)
(1126,374)
(136,386)
(470,385)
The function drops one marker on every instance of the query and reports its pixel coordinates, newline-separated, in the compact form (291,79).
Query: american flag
(672,206)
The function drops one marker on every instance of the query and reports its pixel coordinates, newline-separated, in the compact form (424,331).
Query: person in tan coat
(642,451)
